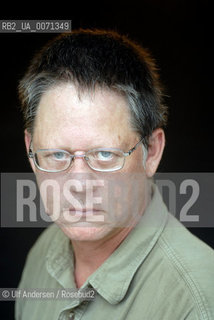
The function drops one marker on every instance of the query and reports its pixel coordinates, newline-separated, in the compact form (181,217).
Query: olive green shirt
(159,272)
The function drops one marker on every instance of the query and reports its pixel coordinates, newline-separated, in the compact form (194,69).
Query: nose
(82,173)
(79,164)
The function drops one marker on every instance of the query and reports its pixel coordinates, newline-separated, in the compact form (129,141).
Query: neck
(90,255)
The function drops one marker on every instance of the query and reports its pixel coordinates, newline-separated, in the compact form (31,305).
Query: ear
(155,151)
(28,139)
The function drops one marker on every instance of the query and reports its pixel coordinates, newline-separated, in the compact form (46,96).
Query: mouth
(84,215)
(84,212)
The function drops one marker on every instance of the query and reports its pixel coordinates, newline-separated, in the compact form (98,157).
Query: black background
(180,36)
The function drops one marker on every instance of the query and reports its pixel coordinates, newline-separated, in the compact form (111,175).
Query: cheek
(126,198)
(134,162)
(50,192)
(33,165)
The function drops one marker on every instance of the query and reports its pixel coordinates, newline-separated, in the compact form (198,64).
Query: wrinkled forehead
(98,99)
(64,110)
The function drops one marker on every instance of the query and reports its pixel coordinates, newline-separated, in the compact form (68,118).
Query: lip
(84,210)
(90,215)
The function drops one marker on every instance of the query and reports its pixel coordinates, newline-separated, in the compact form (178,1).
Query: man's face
(77,124)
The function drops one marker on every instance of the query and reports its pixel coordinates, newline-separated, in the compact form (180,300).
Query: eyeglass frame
(31,155)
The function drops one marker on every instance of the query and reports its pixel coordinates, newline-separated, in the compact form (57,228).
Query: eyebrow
(98,146)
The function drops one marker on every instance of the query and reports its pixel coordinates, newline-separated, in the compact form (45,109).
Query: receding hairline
(90,92)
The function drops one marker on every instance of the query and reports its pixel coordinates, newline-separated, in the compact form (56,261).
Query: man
(94,116)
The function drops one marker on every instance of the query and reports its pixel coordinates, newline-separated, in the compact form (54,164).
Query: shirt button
(71,316)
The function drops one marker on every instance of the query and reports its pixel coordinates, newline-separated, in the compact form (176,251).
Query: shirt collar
(112,279)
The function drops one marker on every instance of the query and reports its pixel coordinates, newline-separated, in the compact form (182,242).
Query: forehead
(66,114)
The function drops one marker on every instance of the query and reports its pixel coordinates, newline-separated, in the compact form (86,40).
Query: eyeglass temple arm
(30,153)
(133,149)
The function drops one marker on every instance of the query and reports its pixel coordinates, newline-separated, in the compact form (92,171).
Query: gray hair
(99,58)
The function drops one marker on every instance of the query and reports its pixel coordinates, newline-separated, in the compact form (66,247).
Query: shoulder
(34,274)
(192,262)
(37,256)
(180,244)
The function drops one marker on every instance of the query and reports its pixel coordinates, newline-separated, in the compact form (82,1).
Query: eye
(59,155)
(105,155)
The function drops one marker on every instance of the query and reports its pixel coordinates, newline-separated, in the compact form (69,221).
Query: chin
(85,232)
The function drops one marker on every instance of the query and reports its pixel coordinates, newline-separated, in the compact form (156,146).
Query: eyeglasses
(101,159)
